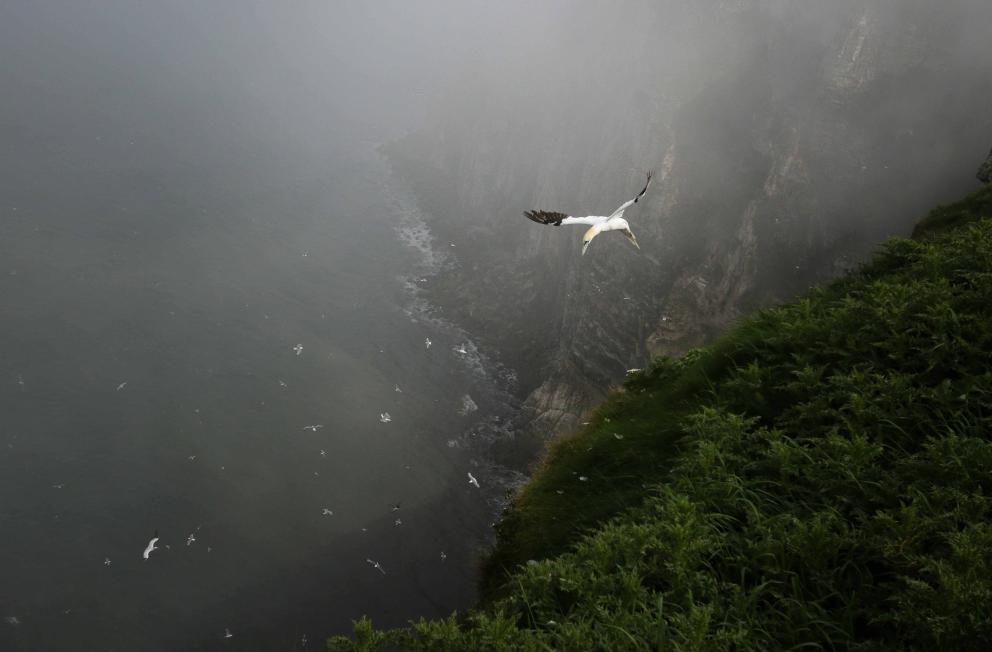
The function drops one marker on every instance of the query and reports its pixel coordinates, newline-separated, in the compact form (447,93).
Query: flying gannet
(150,547)
(472,481)
(597,223)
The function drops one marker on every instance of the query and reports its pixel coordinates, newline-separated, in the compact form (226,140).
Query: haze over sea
(187,194)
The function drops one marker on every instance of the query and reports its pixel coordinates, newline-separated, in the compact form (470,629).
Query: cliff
(819,477)
(788,139)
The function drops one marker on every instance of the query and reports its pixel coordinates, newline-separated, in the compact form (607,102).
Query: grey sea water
(186,284)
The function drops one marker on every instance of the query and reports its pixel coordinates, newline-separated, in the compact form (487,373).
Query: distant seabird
(190,539)
(460,349)
(397,389)
(398,521)
(323,453)
(385,418)
(376,565)
(472,480)
(443,556)
(597,223)
(326,512)
(150,547)
(227,633)
(106,561)
(313,428)
(395,507)
(298,348)
(427,342)
(122,386)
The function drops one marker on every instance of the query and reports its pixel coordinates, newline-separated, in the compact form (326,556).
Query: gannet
(298,348)
(150,547)
(376,565)
(227,633)
(313,428)
(385,418)
(473,481)
(122,386)
(427,342)
(597,223)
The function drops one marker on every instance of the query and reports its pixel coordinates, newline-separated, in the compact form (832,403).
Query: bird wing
(627,204)
(549,217)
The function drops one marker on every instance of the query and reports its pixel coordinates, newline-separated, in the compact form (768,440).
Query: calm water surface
(160,266)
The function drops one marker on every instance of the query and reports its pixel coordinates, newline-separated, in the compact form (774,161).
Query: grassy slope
(819,477)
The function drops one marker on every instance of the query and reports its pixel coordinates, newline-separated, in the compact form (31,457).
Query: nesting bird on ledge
(597,223)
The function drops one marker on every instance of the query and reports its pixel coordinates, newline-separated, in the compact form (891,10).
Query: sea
(216,333)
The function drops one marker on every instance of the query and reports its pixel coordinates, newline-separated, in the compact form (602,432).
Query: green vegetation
(819,478)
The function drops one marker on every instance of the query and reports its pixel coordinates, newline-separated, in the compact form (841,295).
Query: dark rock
(985,172)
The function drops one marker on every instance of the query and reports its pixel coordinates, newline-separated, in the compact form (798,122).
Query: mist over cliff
(790,138)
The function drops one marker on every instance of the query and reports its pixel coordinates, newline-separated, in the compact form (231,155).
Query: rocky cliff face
(789,139)
(985,171)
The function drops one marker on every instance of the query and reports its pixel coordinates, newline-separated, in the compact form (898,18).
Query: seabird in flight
(151,546)
(597,223)
(472,481)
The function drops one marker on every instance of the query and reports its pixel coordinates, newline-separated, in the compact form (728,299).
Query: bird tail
(545,217)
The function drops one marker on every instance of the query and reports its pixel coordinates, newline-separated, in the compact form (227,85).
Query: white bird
(227,633)
(427,342)
(461,350)
(106,561)
(385,418)
(298,348)
(473,481)
(313,428)
(397,389)
(376,565)
(150,547)
(190,539)
(443,556)
(323,453)
(122,386)
(326,512)
(597,223)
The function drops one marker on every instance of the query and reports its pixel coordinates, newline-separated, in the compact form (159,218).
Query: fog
(190,189)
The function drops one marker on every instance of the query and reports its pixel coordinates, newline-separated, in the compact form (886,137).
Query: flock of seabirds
(384,417)
(597,224)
